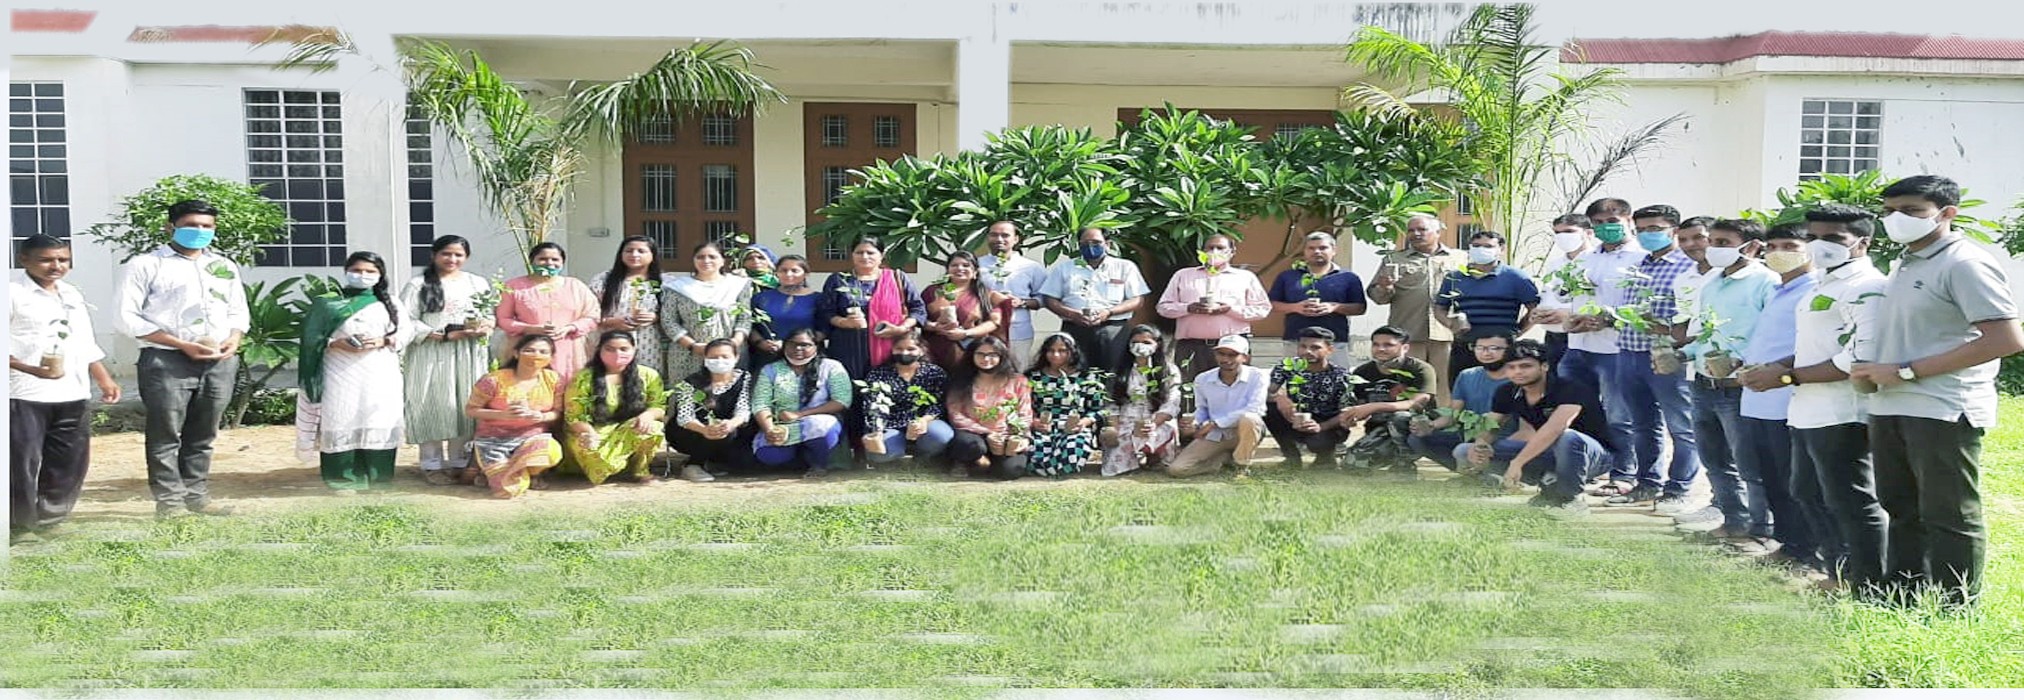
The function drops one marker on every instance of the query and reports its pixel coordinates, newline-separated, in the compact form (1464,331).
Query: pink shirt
(979,419)
(564,301)
(1234,286)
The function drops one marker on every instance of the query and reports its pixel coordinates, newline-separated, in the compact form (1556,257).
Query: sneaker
(1699,526)
(172,512)
(696,473)
(1570,508)
(1670,504)
(1709,514)
(815,473)
(1751,547)
(212,509)
(1292,461)
(1638,497)
(439,477)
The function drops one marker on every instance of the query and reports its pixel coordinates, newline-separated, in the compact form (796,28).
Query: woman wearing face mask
(447,356)
(789,308)
(702,307)
(902,402)
(990,406)
(344,416)
(798,404)
(867,307)
(756,263)
(613,412)
(962,310)
(713,415)
(516,407)
(1068,403)
(630,296)
(1145,395)
(547,304)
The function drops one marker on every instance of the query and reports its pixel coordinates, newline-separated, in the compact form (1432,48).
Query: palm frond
(703,78)
(1582,181)
(315,48)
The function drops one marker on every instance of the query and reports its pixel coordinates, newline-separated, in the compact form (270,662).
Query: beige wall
(1095,106)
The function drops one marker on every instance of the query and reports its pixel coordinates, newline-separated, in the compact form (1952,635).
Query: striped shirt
(1491,301)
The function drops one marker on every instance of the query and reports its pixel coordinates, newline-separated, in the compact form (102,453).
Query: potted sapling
(1296,382)
(878,404)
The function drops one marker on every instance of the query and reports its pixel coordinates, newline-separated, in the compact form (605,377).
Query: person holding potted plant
(1229,413)
(1209,302)
(345,419)
(546,303)
(1318,294)
(1486,296)
(187,307)
(1648,369)
(51,356)
(1095,294)
(713,415)
(451,311)
(782,310)
(1145,397)
(1388,390)
(629,296)
(1436,436)
(704,306)
(867,308)
(990,404)
(798,404)
(1406,280)
(1733,296)
(1019,279)
(516,407)
(1068,406)
(1307,397)
(1766,440)
(613,413)
(1560,439)
(961,309)
(901,402)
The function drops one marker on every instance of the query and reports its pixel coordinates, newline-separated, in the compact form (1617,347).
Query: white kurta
(362,403)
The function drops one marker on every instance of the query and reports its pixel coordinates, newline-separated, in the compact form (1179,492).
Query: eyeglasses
(1498,348)
(802,345)
(988,356)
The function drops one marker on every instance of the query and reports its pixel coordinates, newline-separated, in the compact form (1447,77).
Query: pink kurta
(530,301)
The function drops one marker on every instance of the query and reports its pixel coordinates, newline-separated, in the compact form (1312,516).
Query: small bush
(2011,379)
(271,407)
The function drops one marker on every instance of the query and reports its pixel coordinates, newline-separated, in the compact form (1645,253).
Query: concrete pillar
(983,86)
(374,106)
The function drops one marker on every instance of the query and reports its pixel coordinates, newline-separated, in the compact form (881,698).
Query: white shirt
(34,322)
(1838,323)
(1226,405)
(1605,269)
(191,298)
(1552,299)
(1022,278)
(1112,282)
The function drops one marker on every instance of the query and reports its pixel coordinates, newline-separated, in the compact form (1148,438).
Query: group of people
(1781,362)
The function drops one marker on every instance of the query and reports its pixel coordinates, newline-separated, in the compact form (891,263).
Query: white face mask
(800,362)
(1722,258)
(1568,242)
(1482,255)
(720,365)
(1828,255)
(1142,349)
(361,280)
(1905,228)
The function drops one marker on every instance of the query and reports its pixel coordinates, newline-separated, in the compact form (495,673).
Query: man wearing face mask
(1210,302)
(1657,403)
(1734,292)
(1406,281)
(187,308)
(1005,271)
(1830,435)
(1767,397)
(1486,298)
(1095,295)
(1573,236)
(1591,341)
(1946,318)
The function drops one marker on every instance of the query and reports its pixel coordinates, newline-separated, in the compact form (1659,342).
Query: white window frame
(1839,136)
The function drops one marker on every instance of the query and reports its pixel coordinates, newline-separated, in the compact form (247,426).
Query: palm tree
(526,157)
(1522,115)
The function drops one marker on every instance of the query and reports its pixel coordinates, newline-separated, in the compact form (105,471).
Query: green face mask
(1611,234)
(546,271)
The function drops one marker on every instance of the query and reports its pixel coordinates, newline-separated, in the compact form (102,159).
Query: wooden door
(841,137)
(689,182)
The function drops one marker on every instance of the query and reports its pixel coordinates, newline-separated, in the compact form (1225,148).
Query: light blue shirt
(1776,334)
(1111,283)
(1738,300)
(1021,278)
(1226,404)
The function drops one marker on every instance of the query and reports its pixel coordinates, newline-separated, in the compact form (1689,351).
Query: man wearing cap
(1229,412)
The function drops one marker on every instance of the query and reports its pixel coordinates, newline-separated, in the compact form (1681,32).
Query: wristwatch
(1905,372)
(1788,379)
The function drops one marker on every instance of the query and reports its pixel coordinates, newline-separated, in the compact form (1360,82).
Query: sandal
(1614,488)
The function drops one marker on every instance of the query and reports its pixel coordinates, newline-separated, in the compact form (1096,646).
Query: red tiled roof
(1844,44)
(215,33)
(65,21)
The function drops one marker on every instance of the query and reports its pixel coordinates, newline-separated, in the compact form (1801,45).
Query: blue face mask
(194,238)
(1654,241)
(1092,251)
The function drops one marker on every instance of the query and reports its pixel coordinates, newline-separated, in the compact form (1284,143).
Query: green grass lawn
(1307,580)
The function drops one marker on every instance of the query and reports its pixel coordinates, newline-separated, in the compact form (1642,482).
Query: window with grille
(719,130)
(885,132)
(834,179)
(1288,131)
(658,130)
(421,188)
(657,187)
(1464,205)
(295,156)
(38,168)
(1839,137)
(720,188)
(723,233)
(835,131)
(663,233)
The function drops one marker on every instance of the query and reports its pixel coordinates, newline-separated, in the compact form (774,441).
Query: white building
(104,102)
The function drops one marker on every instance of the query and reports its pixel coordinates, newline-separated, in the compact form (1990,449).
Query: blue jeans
(819,438)
(1718,424)
(1658,407)
(1599,371)
(1561,472)
(931,444)
(1439,446)
(1768,444)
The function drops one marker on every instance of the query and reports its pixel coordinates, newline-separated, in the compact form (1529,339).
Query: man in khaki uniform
(1407,279)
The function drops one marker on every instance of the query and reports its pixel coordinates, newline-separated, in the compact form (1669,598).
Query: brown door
(841,137)
(689,182)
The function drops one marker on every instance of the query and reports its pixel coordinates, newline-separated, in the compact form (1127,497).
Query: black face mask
(906,359)
(1497,366)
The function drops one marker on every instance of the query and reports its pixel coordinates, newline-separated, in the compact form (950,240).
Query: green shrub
(2011,379)
(271,407)
(246,218)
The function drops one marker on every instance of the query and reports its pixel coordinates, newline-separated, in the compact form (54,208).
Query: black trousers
(1556,346)
(1102,346)
(1927,478)
(967,447)
(51,451)
(1843,477)
(1322,444)
(734,452)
